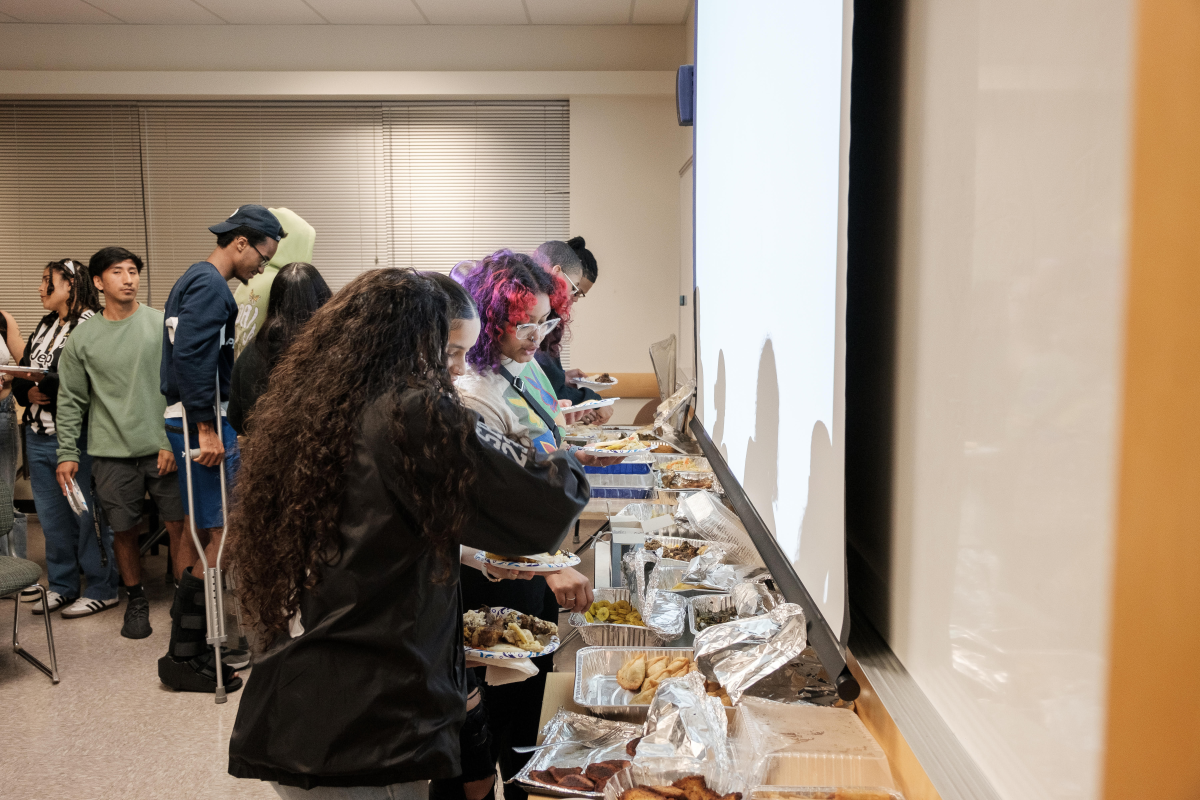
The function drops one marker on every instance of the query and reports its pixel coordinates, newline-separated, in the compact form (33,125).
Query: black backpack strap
(519,385)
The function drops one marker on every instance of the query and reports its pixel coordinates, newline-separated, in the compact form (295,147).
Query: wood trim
(910,778)
(633,384)
(1153,738)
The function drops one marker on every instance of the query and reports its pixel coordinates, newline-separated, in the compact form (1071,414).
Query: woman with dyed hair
(516,301)
(362,475)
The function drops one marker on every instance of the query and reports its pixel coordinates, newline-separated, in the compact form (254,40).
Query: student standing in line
(297,291)
(109,380)
(197,364)
(253,297)
(71,542)
(563,260)
(12,522)
(518,303)
(363,474)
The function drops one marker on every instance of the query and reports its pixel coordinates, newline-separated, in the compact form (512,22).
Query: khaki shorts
(122,484)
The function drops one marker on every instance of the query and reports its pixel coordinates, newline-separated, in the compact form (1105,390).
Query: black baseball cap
(257,217)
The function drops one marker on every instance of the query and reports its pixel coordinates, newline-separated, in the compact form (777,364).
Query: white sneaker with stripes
(85,607)
(54,600)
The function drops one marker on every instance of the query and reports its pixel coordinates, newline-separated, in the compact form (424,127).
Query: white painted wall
(625,158)
(1014,187)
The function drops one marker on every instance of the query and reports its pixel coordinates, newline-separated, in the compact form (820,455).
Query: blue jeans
(206,481)
(8,479)
(70,540)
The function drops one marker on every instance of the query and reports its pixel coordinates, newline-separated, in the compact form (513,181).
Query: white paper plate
(474,653)
(15,368)
(75,499)
(595,384)
(598,452)
(526,566)
(590,404)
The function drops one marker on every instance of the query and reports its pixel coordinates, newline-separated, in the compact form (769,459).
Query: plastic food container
(610,635)
(649,518)
(596,686)
(824,793)
(633,465)
(807,745)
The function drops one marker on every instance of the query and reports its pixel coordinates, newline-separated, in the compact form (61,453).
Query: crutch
(214,603)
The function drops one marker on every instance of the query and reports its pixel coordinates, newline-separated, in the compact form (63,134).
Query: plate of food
(542,562)
(626,446)
(590,404)
(502,633)
(601,380)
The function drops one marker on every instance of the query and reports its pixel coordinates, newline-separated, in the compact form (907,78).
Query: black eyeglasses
(264,258)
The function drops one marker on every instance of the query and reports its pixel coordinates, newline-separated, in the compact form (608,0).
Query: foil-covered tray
(568,730)
(596,686)
(671,575)
(610,635)
(675,541)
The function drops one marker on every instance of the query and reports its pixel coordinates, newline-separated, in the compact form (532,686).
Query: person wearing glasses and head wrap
(575,264)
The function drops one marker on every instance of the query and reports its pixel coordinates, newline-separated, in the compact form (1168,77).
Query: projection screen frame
(824,641)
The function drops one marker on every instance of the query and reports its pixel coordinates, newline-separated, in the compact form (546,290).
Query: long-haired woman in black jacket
(362,475)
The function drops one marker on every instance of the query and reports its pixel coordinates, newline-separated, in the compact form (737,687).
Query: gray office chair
(15,575)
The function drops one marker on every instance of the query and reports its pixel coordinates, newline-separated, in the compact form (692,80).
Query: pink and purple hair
(504,287)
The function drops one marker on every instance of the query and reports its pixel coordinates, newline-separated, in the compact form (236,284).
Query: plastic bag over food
(738,654)
(684,722)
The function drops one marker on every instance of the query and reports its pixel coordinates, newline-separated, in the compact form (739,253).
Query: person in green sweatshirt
(108,374)
(253,296)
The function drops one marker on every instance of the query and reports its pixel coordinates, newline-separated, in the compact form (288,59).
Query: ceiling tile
(660,12)
(579,12)
(263,12)
(54,11)
(474,12)
(368,12)
(158,12)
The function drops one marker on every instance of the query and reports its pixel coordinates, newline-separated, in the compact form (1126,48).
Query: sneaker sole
(65,615)
(128,635)
(39,612)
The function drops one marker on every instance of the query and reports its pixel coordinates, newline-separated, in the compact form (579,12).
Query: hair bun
(577,243)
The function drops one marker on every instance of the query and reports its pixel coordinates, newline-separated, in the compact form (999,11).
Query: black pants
(512,716)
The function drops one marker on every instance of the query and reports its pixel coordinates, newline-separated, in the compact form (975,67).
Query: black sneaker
(137,619)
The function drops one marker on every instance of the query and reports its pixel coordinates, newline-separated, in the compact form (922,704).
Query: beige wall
(625,158)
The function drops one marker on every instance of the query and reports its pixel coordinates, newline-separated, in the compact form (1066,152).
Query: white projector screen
(771,157)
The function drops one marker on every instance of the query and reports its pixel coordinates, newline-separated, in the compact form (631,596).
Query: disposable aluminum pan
(708,602)
(663,771)
(671,575)
(697,463)
(675,541)
(606,634)
(568,728)
(596,686)
(713,484)
(818,792)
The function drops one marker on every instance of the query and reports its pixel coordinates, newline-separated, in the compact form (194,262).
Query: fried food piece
(667,791)
(578,782)
(656,667)
(632,674)
(542,776)
(559,773)
(694,788)
(644,697)
(641,793)
(603,770)
(631,746)
(733,796)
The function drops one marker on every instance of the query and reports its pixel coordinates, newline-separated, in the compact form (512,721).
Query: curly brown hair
(381,337)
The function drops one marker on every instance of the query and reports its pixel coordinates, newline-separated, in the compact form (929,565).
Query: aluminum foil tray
(699,463)
(673,541)
(596,686)
(567,727)
(671,575)
(715,484)
(606,634)
(706,602)
(818,793)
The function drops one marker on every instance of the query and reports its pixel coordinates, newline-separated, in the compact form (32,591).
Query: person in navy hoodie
(200,316)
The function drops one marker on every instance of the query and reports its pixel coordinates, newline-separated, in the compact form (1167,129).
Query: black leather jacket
(373,692)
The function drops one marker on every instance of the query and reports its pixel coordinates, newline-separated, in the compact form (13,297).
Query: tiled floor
(110,729)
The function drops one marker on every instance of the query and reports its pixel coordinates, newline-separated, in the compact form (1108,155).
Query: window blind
(420,184)
(70,183)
